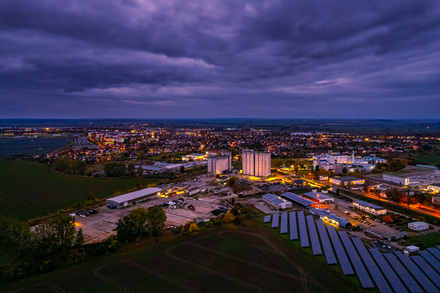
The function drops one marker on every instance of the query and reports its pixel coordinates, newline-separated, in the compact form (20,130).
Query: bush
(47,266)
(193,228)
(100,250)
(114,246)
(228,217)
(209,224)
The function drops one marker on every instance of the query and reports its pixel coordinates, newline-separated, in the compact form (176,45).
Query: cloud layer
(201,59)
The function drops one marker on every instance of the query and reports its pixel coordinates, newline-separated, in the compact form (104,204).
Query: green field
(28,190)
(429,159)
(222,259)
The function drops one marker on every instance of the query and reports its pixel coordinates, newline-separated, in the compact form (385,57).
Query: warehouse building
(331,218)
(298,199)
(434,188)
(369,207)
(396,179)
(318,197)
(132,197)
(418,226)
(277,201)
(347,180)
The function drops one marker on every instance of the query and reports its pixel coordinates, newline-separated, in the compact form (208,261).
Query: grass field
(429,159)
(222,259)
(28,190)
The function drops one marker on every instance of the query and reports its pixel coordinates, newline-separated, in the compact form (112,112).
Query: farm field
(28,190)
(223,259)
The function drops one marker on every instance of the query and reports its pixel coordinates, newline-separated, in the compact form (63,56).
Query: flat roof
(367,204)
(318,195)
(418,223)
(135,194)
(296,198)
(348,178)
(274,198)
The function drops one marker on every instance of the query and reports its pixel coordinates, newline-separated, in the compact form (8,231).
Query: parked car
(112,206)
(91,211)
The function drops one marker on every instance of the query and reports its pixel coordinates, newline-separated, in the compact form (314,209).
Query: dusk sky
(219,59)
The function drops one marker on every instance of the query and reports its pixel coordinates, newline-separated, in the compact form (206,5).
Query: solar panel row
(417,273)
(303,230)
(293,229)
(406,277)
(427,269)
(435,252)
(391,276)
(328,251)
(361,272)
(275,220)
(378,278)
(340,252)
(267,219)
(283,229)
(316,247)
(433,262)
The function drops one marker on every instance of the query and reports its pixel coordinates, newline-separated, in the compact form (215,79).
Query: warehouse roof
(347,178)
(274,198)
(367,204)
(296,198)
(134,195)
(318,195)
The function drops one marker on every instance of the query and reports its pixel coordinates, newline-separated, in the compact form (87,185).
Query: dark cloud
(184,59)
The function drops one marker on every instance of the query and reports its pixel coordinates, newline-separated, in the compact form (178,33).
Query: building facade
(347,180)
(418,226)
(434,188)
(369,207)
(256,163)
(219,164)
(396,179)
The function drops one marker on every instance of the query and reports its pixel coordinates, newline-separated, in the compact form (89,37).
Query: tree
(140,171)
(193,227)
(156,218)
(388,219)
(182,169)
(115,170)
(421,219)
(92,197)
(15,236)
(233,152)
(209,224)
(131,169)
(228,218)
(132,225)
(141,154)
(64,225)
(394,194)
(317,168)
(79,240)
(344,170)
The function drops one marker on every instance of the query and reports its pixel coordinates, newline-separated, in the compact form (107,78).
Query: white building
(219,164)
(396,179)
(336,162)
(369,207)
(434,188)
(435,199)
(277,201)
(256,163)
(136,196)
(418,226)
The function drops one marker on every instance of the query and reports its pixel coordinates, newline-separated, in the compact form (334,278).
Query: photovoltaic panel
(293,228)
(275,220)
(267,219)
(316,247)
(391,276)
(328,251)
(303,230)
(361,272)
(438,246)
(406,277)
(435,252)
(340,252)
(417,273)
(427,269)
(283,229)
(433,262)
(379,279)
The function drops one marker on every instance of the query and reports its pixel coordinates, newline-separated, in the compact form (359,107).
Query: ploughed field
(223,259)
(28,190)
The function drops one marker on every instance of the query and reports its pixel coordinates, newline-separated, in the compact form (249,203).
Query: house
(418,226)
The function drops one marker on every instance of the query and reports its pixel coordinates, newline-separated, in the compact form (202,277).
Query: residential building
(396,179)
(369,207)
(256,163)
(418,226)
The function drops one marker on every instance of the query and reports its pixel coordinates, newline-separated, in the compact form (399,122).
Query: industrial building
(418,226)
(336,162)
(219,164)
(331,218)
(318,197)
(369,207)
(194,157)
(256,163)
(396,179)
(347,180)
(276,201)
(136,196)
(434,188)
(298,199)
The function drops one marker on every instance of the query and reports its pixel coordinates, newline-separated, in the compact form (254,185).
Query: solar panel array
(361,272)
(297,199)
(438,246)
(406,277)
(417,273)
(328,251)
(435,252)
(303,230)
(433,262)
(275,220)
(427,269)
(267,219)
(378,278)
(340,252)
(283,223)
(391,276)
(293,228)
(316,247)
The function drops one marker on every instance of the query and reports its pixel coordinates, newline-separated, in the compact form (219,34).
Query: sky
(219,59)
